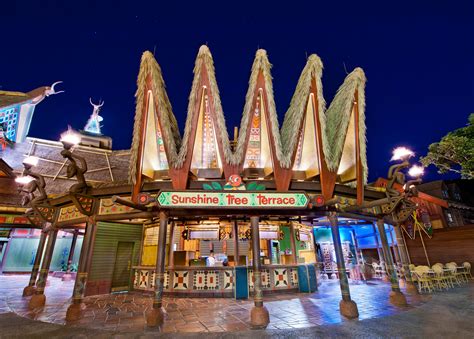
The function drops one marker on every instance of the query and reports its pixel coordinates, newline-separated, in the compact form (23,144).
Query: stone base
(67,277)
(74,312)
(29,291)
(155,317)
(259,317)
(348,309)
(37,300)
(397,298)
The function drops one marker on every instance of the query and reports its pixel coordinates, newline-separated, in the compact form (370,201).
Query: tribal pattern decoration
(209,151)
(162,159)
(254,148)
(83,203)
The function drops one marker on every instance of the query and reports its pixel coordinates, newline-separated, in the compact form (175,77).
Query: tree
(454,152)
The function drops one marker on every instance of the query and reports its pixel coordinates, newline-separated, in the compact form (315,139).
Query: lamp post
(409,190)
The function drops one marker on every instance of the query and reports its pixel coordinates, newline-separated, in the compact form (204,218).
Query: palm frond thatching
(338,116)
(296,111)
(204,57)
(260,63)
(170,131)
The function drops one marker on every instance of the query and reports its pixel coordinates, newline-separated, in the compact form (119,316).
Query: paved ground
(447,314)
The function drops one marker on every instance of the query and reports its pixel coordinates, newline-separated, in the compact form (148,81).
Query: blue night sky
(418,57)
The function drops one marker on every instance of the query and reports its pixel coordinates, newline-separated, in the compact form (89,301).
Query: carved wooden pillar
(347,306)
(293,244)
(259,317)
(74,310)
(38,299)
(236,242)
(396,296)
(411,288)
(155,316)
(67,276)
(171,242)
(30,289)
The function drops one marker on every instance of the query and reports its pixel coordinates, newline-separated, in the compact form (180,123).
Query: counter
(218,281)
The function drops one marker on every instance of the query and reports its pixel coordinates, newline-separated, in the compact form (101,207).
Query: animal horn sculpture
(52,90)
(96,106)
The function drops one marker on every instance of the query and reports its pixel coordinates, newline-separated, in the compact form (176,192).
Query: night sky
(418,57)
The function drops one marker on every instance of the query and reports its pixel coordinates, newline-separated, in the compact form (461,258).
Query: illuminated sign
(226,199)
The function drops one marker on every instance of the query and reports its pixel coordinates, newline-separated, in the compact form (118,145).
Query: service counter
(232,282)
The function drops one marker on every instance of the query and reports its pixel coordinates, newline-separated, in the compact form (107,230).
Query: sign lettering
(205,199)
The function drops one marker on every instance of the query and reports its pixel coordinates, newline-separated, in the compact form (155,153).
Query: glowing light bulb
(23,180)
(402,153)
(70,137)
(416,171)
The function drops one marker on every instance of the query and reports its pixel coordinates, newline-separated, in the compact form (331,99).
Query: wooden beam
(359,169)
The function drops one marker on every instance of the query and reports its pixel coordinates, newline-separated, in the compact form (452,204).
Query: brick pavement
(125,312)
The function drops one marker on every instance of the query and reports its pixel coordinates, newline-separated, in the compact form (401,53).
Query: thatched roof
(204,59)
(296,111)
(51,164)
(260,64)
(338,116)
(334,122)
(150,68)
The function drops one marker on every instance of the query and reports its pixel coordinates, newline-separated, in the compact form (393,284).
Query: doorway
(122,267)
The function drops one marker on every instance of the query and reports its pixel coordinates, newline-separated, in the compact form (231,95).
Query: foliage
(454,152)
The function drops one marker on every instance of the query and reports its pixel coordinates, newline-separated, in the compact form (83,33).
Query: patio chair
(424,279)
(376,269)
(439,279)
(454,275)
(467,270)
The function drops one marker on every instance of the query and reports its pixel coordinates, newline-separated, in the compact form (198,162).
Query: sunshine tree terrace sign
(232,199)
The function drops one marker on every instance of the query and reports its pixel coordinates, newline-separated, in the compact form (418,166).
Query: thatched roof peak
(297,110)
(149,67)
(339,114)
(314,61)
(204,58)
(357,74)
(261,53)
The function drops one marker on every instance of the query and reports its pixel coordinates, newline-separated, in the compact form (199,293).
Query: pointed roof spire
(205,62)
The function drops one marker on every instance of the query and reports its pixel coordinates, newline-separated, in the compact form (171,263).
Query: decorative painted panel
(294,277)
(206,280)
(69,213)
(9,116)
(181,280)
(265,279)
(107,206)
(228,280)
(280,277)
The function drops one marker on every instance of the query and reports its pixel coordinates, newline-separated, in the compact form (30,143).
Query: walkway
(291,315)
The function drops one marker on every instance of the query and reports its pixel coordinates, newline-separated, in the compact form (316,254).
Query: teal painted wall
(21,255)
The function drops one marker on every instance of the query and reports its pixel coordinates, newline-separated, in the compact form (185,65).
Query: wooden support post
(171,249)
(293,244)
(38,299)
(236,243)
(410,286)
(155,316)
(347,306)
(395,251)
(396,296)
(67,276)
(30,289)
(74,311)
(259,316)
